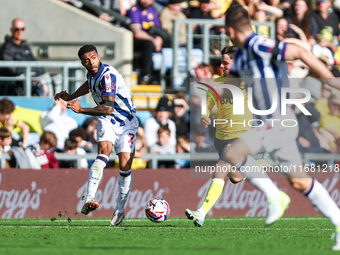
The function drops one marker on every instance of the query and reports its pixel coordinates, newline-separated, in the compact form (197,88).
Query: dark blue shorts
(221,146)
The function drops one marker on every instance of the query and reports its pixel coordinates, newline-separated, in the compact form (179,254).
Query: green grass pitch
(290,235)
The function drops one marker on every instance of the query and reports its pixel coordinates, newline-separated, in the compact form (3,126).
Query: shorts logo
(101,134)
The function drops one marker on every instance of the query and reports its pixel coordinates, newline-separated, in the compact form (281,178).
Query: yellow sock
(213,194)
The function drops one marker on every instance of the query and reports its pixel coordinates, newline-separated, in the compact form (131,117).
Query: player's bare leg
(124,182)
(320,198)
(95,176)
(238,154)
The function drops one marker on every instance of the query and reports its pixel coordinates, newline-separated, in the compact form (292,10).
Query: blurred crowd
(313,24)
(173,128)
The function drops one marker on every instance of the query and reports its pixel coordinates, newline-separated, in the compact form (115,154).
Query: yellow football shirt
(239,124)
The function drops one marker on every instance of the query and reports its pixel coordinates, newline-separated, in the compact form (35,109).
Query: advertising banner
(60,192)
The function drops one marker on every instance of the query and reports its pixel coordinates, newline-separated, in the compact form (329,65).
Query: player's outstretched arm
(82,90)
(99,110)
(294,52)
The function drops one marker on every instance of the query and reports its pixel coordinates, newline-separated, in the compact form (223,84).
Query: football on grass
(157,210)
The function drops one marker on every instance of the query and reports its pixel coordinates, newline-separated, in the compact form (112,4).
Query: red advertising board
(46,193)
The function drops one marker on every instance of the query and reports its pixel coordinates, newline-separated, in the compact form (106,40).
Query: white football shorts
(280,142)
(123,138)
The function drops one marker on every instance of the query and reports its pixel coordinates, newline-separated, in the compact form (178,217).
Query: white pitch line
(167,227)
(181,219)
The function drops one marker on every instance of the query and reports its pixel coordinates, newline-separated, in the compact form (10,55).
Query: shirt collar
(101,68)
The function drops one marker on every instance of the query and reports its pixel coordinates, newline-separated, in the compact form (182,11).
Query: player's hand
(205,122)
(63,95)
(74,105)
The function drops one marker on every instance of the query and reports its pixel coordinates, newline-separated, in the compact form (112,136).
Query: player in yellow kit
(225,134)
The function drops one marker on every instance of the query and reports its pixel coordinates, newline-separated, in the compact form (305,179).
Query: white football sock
(320,198)
(125,183)
(95,175)
(259,179)
(202,212)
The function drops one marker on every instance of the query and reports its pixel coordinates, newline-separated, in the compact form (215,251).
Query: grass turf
(290,235)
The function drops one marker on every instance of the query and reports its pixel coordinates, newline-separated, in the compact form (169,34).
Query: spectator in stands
(148,35)
(331,121)
(90,125)
(79,134)
(16,48)
(58,122)
(281,28)
(140,150)
(321,105)
(301,17)
(162,117)
(270,13)
(170,13)
(204,71)
(199,11)
(202,10)
(182,146)
(264,13)
(43,150)
(163,146)
(7,120)
(249,5)
(284,5)
(5,139)
(140,147)
(141,133)
(119,6)
(107,4)
(71,147)
(181,115)
(199,143)
(328,24)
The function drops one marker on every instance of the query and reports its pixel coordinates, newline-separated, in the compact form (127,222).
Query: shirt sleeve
(133,14)
(108,85)
(270,49)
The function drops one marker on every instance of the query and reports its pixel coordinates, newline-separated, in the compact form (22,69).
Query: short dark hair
(79,131)
(85,49)
(237,17)
(6,106)
(229,50)
(4,133)
(70,144)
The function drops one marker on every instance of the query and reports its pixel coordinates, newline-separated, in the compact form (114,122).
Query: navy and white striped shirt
(108,82)
(268,71)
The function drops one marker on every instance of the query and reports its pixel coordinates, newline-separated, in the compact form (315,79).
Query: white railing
(205,38)
(67,67)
